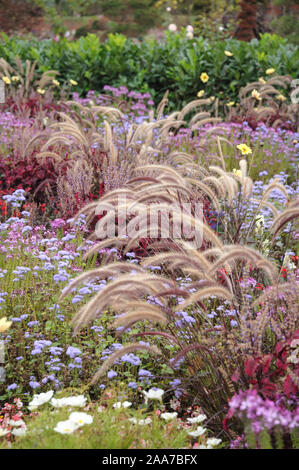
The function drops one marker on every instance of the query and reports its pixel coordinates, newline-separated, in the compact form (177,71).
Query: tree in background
(247,21)
(142,12)
(19,15)
(286,22)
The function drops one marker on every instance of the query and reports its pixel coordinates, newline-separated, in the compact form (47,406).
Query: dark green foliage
(287,26)
(113,8)
(174,64)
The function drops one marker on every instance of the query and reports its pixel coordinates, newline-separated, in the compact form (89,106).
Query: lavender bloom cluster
(264,414)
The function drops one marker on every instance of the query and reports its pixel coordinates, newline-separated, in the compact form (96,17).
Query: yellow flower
(262,80)
(245,150)
(41,91)
(6,80)
(228,53)
(55,82)
(255,94)
(231,103)
(281,98)
(212,98)
(295,141)
(15,78)
(73,82)
(204,77)
(237,172)
(200,93)
(4,324)
(270,71)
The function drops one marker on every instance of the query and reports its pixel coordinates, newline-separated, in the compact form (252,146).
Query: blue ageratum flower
(131,358)
(144,373)
(33,384)
(111,374)
(73,352)
(133,385)
(12,387)
(56,350)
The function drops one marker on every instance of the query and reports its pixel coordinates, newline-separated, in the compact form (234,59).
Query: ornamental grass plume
(200,302)
(274,108)
(26,77)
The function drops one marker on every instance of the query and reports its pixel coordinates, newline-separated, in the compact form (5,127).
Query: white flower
(80,418)
(78,400)
(259,225)
(145,421)
(20,422)
(198,432)
(124,404)
(293,358)
(172,28)
(117,404)
(133,420)
(141,422)
(3,432)
(287,262)
(66,427)
(40,399)
(197,419)
(19,431)
(212,441)
(189,35)
(153,394)
(174,403)
(168,416)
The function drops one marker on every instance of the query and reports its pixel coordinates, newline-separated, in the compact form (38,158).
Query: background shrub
(174,64)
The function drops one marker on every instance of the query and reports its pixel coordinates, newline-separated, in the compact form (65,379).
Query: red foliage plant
(272,373)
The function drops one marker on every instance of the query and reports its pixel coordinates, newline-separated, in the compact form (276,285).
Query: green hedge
(174,64)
